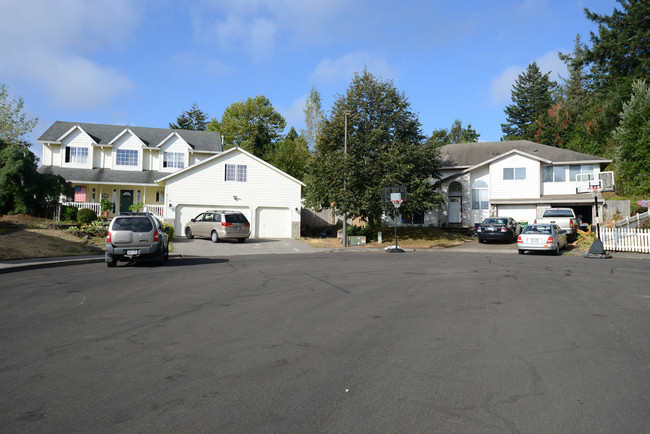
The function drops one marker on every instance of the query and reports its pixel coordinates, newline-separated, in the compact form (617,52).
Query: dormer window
(76,155)
(174,160)
(126,157)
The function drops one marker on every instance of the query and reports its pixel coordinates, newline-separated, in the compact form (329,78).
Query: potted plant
(106,206)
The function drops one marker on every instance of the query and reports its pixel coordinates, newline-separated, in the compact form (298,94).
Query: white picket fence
(626,239)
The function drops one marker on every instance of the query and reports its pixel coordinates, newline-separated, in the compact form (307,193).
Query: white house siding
(511,189)
(477,215)
(77,138)
(205,186)
(130,141)
(46,159)
(177,145)
(566,187)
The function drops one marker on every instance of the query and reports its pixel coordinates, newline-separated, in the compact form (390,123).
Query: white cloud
(48,42)
(501,86)
(343,69)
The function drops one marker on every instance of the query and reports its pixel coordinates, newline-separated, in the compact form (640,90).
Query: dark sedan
(498,229)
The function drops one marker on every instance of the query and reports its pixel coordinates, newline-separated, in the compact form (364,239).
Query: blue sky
(144,62)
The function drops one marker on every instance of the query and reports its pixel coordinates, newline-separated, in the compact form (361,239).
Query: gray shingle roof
(472,154)
(206,141)
(105,176)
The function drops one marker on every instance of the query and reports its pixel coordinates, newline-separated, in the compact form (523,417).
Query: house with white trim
(129,165)
(518,179)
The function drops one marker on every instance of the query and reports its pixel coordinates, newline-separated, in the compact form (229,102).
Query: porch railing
(157,210)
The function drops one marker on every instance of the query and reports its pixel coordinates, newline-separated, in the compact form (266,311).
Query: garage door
(185,213)
(520,213)
(273,223)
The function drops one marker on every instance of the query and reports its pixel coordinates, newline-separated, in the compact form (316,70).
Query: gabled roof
(223,154)
(126,131)
(202,141)
(469,155)
(174,133)
(76,127)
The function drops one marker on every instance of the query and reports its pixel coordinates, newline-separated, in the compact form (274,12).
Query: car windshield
(537,229)
(558,213)
(495,221)
(133,224)
(236,218)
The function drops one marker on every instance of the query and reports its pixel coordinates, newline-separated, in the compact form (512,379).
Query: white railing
(633,221)
(157,210)
(79,205)
(626,239)
(153,209)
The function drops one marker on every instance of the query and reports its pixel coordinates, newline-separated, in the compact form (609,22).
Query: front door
(454,210)
(126,200)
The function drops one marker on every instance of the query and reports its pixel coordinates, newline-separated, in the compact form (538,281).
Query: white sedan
(544,237)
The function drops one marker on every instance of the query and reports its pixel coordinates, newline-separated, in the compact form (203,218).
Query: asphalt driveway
(206,248)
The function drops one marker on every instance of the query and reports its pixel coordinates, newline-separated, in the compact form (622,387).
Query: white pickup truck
(565,218)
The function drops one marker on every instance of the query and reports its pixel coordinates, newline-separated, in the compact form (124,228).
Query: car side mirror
(193,220)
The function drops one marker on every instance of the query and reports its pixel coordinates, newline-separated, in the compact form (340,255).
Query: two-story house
(517,179)
(129,165)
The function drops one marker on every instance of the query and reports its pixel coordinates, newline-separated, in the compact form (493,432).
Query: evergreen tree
(313,117)
(532,97)
(192,119)
(291,155)
(456,134)
(632,141)
(385,147)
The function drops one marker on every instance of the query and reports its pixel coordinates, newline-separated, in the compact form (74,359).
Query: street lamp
(345,181)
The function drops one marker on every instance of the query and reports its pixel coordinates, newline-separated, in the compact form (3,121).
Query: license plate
(491,229)
(132,252)
(534,240)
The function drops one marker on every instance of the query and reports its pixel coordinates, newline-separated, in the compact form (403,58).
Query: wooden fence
(626,239)
(633,221)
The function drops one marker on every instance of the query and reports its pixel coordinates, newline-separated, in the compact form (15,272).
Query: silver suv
(136,235)
(218,225)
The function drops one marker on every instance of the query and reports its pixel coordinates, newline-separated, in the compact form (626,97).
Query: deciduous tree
(253,125)
(14,124)
(385,147)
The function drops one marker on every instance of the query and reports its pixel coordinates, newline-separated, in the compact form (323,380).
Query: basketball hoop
(397,203)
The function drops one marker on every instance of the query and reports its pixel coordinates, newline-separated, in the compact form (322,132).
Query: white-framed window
(175,160)
(553,173)
(581,172)
(126,157)
(236,172)
(480,195)
(514,173)
(76,155)
(160,196)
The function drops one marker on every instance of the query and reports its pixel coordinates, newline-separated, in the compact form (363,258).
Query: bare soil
(23,236)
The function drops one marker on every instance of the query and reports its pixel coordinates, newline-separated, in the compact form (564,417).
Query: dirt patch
(23,236)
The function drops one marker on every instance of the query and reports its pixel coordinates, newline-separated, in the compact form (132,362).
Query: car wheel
(241,240)
(161,258)
(112,262)
(167,254)
(557,249)
(214,237)
(521,251)
(188,233)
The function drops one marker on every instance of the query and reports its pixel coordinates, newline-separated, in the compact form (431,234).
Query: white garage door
(185,213)
(518,212)
(273,223)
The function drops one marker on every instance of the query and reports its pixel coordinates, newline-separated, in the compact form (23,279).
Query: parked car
(135,236)
(565,218)
(544,237)
(498,229)
(219,225)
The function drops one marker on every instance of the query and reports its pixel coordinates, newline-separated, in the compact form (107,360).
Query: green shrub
(69,214)
(86,216)
(169,229)
(364,231)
